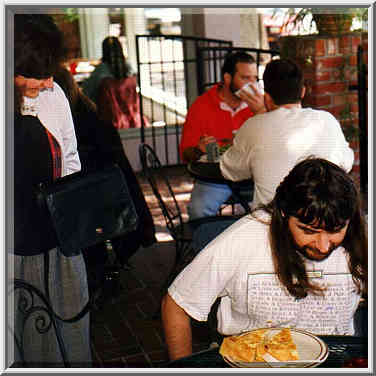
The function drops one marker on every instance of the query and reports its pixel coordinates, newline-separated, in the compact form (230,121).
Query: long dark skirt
(30,327)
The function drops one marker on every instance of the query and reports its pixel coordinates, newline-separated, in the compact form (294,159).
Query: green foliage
(349,130)
(71,14)
(296,18)
(68,15)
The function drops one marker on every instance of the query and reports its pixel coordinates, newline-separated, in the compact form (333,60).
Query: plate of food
(274,347)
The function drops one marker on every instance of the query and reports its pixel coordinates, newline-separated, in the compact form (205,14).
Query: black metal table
(341,348)
(211,172)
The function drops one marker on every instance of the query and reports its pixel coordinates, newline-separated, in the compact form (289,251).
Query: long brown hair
(316,192)
(76,98)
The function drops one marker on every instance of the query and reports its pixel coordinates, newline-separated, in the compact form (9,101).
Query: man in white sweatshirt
(269,145)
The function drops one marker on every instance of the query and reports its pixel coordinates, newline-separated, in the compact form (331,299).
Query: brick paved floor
(126,329)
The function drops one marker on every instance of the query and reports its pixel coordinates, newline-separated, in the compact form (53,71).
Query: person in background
(268,146)
(113,64)
(45,148)
(99,144)
(214,117)
(113,87)
(299,262)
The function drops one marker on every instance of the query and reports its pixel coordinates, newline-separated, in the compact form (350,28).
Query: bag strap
(56,155)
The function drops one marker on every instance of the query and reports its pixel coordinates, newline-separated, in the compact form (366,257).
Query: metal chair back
(157,177)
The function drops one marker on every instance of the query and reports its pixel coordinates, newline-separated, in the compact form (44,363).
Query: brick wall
(330,68)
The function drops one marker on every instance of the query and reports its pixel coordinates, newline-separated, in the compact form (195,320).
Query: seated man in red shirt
(213,117)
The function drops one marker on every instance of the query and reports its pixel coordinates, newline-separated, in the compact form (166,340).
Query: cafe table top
(341,348)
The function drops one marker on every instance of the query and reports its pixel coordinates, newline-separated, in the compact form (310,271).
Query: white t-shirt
(237,266)
(52,108)
(269,145)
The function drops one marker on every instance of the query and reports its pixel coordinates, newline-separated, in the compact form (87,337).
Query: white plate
(311,349)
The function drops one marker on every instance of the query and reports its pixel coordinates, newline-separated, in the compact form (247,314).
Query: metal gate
(167,76)
(211,59)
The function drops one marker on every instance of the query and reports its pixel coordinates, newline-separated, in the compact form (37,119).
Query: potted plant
(328,21)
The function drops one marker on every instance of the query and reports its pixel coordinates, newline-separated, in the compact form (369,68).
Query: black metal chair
(157,177)
(180,230)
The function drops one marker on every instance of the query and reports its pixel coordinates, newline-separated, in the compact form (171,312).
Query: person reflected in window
(113,87)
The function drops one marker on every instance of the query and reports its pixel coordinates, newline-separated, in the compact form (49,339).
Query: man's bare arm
(177,329)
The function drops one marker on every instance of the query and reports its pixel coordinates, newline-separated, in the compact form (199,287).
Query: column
(134,20)
(94,27)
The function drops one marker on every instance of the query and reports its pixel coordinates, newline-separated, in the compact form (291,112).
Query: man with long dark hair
(299,262)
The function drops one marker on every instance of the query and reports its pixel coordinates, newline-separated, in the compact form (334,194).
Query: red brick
(337,111)
(353,77)
(349,122)
(354,108)
(309,76)
(352,60)
(348,73)
(328,88)
(332,46)
(323,76)
(323,100)
(336,75)
(320,47)
(355,41)
(330,62)
(355,169)
(344,45)
(338,99)
(352,97)
(356,155)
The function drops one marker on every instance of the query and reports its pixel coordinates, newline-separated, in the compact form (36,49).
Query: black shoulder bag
(87,208)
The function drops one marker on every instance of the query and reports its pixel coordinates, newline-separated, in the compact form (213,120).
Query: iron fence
(211,59)
(167,76)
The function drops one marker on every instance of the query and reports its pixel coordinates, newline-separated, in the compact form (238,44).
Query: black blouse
(33,164)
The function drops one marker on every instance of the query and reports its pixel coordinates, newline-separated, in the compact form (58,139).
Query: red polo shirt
(210,116)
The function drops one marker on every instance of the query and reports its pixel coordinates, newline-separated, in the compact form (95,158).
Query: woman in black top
(46,283)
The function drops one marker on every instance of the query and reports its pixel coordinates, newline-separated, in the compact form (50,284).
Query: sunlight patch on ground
(163,237)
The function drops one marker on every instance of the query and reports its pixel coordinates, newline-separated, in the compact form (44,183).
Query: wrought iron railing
(211,59)
(35,305)
(167,76)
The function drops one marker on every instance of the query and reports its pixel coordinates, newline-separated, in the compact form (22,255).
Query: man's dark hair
(231,59)
(112,55)
(38,46)
(322,195)
(283,81)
